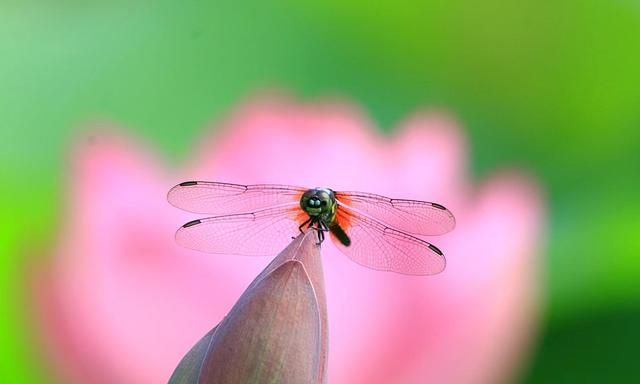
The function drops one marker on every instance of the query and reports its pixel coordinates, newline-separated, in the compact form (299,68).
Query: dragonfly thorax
(319,203)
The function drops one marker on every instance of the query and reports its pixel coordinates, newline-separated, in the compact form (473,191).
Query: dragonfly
(373,230)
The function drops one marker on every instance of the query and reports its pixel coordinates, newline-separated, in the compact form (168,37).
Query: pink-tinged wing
(259,233)
(379,247)
(413,216)
(223,198)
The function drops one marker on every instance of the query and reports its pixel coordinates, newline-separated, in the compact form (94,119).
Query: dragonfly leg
(305,223)
(302,225)
(321,228)
(320,236)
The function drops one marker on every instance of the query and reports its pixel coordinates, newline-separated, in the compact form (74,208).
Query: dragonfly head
(318,201)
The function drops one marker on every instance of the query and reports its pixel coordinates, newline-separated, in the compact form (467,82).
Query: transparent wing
(377,246)
(223,198)
(413,216)
(260,233)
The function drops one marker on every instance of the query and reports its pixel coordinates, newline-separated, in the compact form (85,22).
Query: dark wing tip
(439,206)
(431,247)
(188,183)
(191,223)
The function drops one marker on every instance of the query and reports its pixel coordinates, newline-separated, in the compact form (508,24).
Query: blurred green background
(551,87)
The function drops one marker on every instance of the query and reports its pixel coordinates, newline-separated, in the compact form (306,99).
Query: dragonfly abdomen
(340,234)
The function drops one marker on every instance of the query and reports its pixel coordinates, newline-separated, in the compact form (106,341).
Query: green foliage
(594,348)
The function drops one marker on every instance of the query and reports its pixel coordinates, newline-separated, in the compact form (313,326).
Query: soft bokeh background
(551,87)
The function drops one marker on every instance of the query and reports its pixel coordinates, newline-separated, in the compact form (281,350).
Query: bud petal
(277,330)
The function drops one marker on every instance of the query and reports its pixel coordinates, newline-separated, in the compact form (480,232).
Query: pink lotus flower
(120,302)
